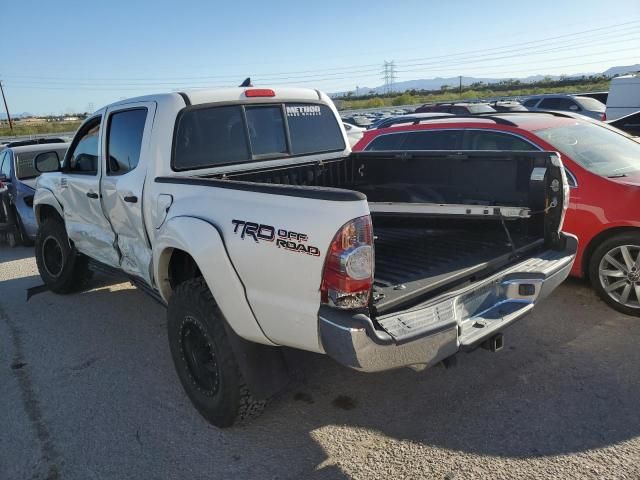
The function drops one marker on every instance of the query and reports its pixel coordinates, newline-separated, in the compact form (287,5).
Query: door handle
(131,199)
(92,195)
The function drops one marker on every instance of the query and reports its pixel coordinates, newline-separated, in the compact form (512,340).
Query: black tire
(611,276)
(12,239)
(204,359)
(61,267)
(22,234)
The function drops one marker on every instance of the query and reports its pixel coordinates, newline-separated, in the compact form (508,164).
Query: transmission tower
(389,75)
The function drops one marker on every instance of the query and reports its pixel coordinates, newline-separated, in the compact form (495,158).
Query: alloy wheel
(619,273)
(199,357)
(52,256)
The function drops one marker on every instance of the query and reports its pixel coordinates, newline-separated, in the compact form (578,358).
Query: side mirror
(573,108)
(3,178)
(47,162)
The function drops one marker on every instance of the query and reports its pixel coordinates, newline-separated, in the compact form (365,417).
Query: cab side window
(83,156)
(124,140)
(433,140)
(479,140)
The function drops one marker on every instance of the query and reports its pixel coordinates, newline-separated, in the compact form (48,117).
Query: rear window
(591,104)
(391,141)
(266,130)
(480,109)
(313,129)
(215,136)
(559,103)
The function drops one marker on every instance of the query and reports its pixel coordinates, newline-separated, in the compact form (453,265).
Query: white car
(587,106)
(244,211)
(354,133)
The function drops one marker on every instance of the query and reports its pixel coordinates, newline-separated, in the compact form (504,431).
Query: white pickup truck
(244,211)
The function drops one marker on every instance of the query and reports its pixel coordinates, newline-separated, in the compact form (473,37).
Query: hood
(631,179)
(30,182)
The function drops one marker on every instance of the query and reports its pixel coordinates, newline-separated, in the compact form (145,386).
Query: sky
(66,56)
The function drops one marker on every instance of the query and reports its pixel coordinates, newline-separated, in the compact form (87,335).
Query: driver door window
(83,158)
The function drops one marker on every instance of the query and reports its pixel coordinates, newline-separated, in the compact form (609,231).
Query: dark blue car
(19,177)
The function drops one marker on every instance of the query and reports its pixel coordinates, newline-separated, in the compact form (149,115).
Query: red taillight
(348,270)
(259,92)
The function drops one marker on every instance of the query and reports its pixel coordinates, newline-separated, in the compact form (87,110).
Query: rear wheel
(204,359)
(61,267)
(614,270)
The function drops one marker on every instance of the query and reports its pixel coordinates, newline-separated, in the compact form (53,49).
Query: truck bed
(440,218)
(411,262)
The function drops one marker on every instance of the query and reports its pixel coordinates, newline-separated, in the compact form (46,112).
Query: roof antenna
(246,83)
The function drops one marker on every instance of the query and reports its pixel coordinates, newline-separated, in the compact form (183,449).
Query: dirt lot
(88,391)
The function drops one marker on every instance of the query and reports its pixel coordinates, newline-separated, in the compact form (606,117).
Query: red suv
(603,171)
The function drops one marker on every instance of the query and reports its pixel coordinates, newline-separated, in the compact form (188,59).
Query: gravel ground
(89,392)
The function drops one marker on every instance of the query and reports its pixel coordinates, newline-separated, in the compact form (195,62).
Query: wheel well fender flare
(203,243)
(44,204)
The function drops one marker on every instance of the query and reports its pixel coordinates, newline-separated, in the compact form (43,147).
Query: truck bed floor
(414,261)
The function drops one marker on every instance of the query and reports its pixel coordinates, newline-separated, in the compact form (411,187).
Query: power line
(467,65)
(454,68)
(356,68)
(483,58)
(461,65)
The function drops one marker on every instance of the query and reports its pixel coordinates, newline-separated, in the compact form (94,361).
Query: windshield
(24,164)
(598,149)
(591,104)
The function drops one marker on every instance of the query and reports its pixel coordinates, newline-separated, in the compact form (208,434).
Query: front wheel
(614,271)
(204,359)
(61,267)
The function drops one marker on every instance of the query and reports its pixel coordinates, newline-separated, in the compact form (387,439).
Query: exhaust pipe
(495,343)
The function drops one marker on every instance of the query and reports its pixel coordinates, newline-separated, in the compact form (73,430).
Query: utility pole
(6,107)
(460,87)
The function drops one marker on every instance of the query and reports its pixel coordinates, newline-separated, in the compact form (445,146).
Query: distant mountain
(622,70)
(438,82)
(3,115)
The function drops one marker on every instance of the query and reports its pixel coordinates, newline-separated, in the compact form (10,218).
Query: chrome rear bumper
(459,320)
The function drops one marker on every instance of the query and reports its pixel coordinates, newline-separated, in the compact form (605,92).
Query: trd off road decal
(287,239)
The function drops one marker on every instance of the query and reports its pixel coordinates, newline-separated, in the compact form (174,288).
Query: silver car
(589,107)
